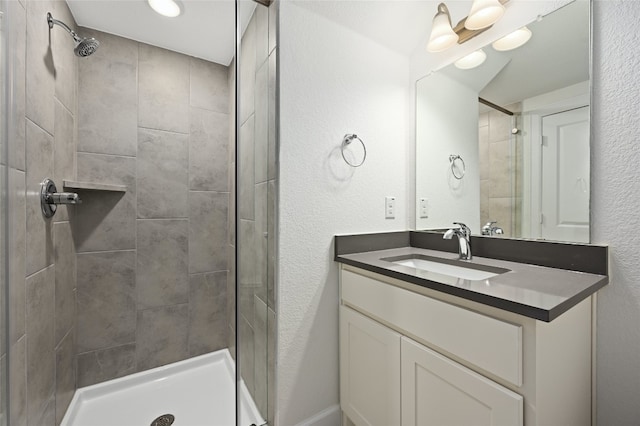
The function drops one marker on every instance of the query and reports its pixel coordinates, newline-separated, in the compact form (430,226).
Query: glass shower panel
(256,189)
(138,271)
(4,171)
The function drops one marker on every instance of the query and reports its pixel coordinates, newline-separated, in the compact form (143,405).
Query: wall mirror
(508,141)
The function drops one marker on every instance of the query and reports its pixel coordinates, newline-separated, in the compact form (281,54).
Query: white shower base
(199,392)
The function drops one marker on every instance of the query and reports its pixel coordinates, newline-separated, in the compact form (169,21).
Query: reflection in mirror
(520,122)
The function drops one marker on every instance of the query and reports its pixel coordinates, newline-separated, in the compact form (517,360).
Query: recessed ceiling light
(513,40)
(165,7)
(472,60)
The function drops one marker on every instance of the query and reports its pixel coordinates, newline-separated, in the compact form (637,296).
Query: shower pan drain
(164,420)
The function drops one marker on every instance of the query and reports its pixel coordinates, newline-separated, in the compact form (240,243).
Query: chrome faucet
(464,236)
(489,229)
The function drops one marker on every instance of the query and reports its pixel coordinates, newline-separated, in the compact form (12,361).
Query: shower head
(84,46)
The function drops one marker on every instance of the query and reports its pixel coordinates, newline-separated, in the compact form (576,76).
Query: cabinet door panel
(489,343)
(439,391)
(369,370)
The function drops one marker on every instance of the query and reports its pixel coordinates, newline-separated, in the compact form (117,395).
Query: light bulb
(167,8)
(483,14)
(472,60)
(513,40)
(442,35)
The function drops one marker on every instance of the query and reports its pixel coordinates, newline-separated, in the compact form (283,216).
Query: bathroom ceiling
(399,25)
(205,29)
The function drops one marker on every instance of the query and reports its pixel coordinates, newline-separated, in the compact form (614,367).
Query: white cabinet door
(437,391)
(369,370)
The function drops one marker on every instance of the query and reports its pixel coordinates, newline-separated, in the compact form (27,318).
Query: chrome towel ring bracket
(458,168)
(346,141)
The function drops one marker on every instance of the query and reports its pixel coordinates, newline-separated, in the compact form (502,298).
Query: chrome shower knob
(50,198)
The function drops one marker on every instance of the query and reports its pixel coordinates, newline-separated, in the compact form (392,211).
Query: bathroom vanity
(420,345)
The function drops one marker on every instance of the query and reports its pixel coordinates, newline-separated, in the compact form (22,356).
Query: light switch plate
(390,207)
(423,205)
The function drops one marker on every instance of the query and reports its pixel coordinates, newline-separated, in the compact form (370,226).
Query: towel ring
(346,141)
(452,159)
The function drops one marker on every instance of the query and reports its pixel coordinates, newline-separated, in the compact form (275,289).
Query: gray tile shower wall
(42,283)
(40,342)
(152,262)
(163,263)
(207,238)
(107,220)
(162,174)
(106,364)
(162,336)
(208,146)
(106,299)
(500,171)
(108,120)
(208,312)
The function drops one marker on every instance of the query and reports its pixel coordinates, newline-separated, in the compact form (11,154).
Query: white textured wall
(447,124)
(615,202)
(332,81)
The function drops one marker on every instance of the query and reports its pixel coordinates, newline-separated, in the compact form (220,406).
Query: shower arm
(52,21)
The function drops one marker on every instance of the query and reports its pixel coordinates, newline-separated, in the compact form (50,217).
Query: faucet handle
(491,230)
(487,228)
(464,228)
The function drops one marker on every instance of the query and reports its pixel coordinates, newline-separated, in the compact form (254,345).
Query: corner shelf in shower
(71,184)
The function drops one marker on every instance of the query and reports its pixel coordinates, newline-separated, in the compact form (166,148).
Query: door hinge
(541,218)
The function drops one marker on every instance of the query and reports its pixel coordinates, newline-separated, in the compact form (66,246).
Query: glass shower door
(4,172)
(256,189)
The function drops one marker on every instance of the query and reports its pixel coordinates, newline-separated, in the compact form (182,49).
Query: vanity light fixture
(168,8)
(472,60)
(513,40)
(442,34)
(484,13)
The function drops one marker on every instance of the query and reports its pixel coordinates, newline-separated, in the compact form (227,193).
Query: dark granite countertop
(538,292)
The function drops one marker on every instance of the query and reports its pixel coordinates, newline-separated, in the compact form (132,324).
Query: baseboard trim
(328,417)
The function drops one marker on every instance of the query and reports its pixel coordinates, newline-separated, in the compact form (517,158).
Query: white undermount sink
(472,272)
